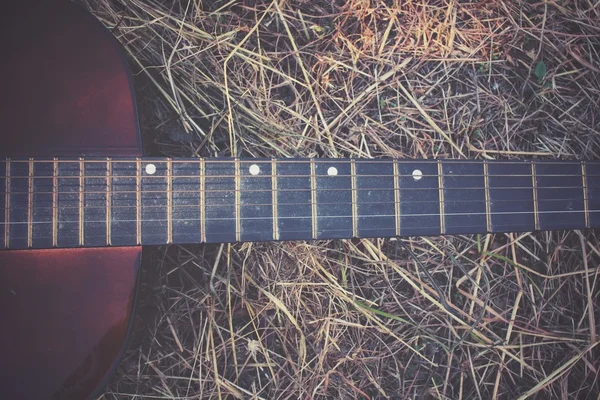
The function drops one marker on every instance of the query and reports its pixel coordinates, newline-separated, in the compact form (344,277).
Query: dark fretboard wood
(255,201)
(43,204)
(78,202)
(333,187)
(94,201)
(465,209)
(294,201)
(4,203)
(155,201)
(119,220)
(592,191)
(68,204)
(511,196)
(420,212)
(376,197)
(19,203)
(560,195)
(186,226)
(220,202)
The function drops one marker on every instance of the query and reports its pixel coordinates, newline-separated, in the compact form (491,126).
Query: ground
(470,316)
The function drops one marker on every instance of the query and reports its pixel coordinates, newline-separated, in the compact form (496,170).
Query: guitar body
(65,313)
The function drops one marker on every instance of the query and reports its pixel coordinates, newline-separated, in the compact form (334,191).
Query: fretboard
(68,202)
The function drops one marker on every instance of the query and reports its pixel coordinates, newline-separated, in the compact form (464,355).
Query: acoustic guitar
(79,200)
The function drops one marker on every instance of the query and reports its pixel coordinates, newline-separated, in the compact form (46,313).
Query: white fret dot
(254,169)
(417,174)
(150,169)
(332,171)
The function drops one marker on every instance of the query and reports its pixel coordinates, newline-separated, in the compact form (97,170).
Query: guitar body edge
(65,319)
(65,313)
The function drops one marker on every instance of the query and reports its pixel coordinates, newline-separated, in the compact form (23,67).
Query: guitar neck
(67,202)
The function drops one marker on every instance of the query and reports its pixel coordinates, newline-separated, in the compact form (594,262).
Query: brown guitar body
(66,91)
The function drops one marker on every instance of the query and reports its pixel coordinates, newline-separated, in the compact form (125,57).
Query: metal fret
(138,201)
(313,197)
(584,182)
(592,180)
(81,200)
(169,201)
(236,180)
(274,198)
(30,206)
(536,214)
(7,205)
(441,194)
(354,199)
(108,200)
(202,201)
(486,180)
(396,197)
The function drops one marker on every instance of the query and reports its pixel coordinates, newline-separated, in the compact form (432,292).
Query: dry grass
(358,319)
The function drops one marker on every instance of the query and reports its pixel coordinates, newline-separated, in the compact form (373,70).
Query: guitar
(79,201)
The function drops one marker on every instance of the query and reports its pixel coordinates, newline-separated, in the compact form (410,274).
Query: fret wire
(441,197)
(30,206)
(202,165)
(585,194)
(274,199)
(7,203)
(354,198)
(486,182)
(81,200)
(138,201)
(313,197)
(169,201)
(55,203)
(396,197)
(536,216)
(108,200)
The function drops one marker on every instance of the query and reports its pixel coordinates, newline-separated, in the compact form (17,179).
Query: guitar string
(323,189)
(409,175)
(88,238)
(233,189)
(14,205)
(404,190)
(194,194)
(309,190)
(230,160)
(445,215)
(343,232)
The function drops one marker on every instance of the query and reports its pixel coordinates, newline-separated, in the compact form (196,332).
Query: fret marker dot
(150,169)
(254,169)
(417,174)
(332,171)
